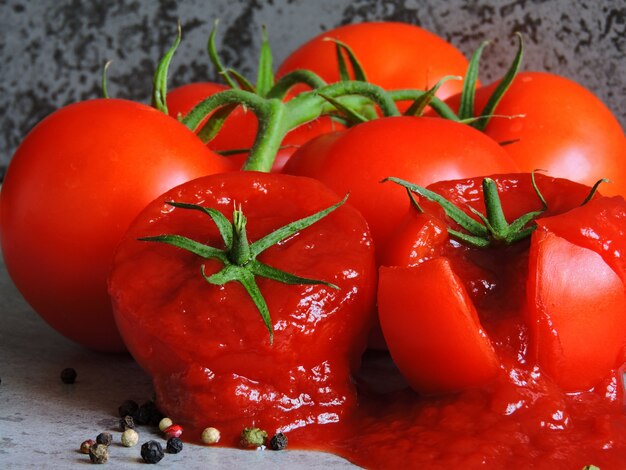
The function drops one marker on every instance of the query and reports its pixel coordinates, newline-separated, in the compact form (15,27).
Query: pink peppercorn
(174,430)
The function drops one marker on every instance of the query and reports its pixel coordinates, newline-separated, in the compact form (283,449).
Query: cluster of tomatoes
(382,105)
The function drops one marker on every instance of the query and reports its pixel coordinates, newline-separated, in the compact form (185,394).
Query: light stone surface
(52,51)
(43,421)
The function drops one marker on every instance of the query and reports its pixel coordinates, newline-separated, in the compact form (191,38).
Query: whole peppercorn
(130,438)
(104,438)
(86,445)
(148,413)
(128,408)
(68,375)
(165,423)
(253,437)
(174,445)
(173,431)
(210,436)
(127,422)
(152,452)
(99,453)
(278,441)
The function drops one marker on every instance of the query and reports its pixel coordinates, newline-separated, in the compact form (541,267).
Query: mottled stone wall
(52,51)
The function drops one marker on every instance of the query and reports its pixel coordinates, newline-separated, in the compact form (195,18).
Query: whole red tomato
(206,346)
(422,150)
(240,128)
(393,56)
(73,186)
(455,316)
(561,128)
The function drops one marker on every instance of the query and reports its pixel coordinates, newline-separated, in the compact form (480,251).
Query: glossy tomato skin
(541,302)
(240,128)
(393,55)
(206,347)
(420,150)
(73,186)
(562,128)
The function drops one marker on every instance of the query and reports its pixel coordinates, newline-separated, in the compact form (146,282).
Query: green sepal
(291,79)
(594,189)
(223,224)
(466,107)
(192,246)
(215,58)
(351,115)
(159,85)
(214,124)
(103,80)
(357,68)
(265,75)
(243,82)
(502,87)
(419,105)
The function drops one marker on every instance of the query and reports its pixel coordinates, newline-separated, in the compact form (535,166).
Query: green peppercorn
(68,375)
(104,438)
(152,452)
(99,453)
(278,441)
(174,445)
(253,437)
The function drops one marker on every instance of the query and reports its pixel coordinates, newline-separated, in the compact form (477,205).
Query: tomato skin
(178,327)
(240,128)
(558,301)
(420,150)
(393,55)
(73,186)
(563,129)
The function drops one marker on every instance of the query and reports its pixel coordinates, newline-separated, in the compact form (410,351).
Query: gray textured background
(52,51)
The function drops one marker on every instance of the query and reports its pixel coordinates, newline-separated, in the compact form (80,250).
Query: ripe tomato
(240,128)
(206,346)
(422,150)
(73,186)
(557,301)
(393,55)
(563,129)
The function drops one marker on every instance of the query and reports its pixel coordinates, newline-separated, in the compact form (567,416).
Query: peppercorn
(210,436)
(253,437)
(173,431)
(99,453)
(148,413)
(174,445)
(127,422)
(104,438)
(152,452)
(68,375)
(129,438)
(165,423)
(278,441)
(128,408)
(86,445)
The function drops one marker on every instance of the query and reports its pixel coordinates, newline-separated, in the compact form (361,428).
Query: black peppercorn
(104,438)
(174,445)
(128,408)
(278,442)
(68,375)
(148,413)
(152,452)
(98,453)
(127,422)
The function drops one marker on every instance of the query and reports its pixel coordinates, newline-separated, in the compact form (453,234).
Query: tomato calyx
(239,257)
(493,228)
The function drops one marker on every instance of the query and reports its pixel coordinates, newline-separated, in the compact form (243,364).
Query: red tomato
(558,302)
(240,128)
(73,186)
(206,346)
(564,130)
(421,150)
(393,55)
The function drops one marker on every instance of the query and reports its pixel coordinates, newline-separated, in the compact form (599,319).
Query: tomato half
(556,301)
(73,186)
(421,150)
(206,346)
(393,55)
(561,128)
